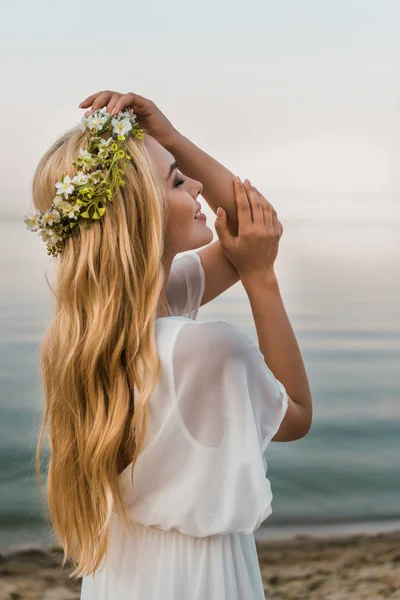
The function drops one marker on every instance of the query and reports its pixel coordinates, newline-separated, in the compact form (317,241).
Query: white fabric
(185,286)
(200,487)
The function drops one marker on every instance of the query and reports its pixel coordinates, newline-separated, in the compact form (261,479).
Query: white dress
(200,488)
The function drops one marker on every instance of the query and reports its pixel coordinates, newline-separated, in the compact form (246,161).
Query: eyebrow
(172,169)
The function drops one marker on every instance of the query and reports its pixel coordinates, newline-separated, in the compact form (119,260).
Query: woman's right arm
(253,252)
(278,344)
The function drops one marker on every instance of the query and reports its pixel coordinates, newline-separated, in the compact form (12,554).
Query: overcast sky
(300,96)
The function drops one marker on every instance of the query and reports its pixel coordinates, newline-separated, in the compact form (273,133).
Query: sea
(338,269)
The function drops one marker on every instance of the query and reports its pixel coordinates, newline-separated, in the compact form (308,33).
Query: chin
(204,239)
(208,235)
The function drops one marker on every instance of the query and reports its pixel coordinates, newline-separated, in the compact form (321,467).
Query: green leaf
(85,215)
(101,211)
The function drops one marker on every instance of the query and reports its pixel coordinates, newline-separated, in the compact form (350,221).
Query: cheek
(182,208)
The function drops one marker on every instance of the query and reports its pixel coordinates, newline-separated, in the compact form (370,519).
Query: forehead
(161,156)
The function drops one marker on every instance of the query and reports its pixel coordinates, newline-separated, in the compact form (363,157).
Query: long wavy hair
(99,345)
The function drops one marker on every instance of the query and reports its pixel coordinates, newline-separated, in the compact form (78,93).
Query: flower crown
(81,200)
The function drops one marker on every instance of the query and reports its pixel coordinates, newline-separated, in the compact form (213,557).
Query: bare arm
(217,180)
(278,344)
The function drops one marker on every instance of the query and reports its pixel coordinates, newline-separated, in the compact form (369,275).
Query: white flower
(80,178)
(85,154)
(65,187)
(121,127)
(89,122)
(97,120)
(129,114)
(97,176)
(62,206)
(70,210)
(85,160)
(44,234)
(84,123)
(50,236)
(50,217)
(32,221)
(103,148)
(73,211)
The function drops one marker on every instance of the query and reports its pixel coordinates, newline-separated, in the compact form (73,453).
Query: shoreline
(303,566)
(326,530)
(264,534)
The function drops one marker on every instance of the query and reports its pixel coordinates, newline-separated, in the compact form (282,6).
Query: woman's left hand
(149,116)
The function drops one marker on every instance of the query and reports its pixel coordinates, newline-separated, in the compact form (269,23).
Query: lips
(198,207)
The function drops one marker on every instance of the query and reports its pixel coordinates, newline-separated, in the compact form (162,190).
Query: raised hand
(149,116)
(254,250)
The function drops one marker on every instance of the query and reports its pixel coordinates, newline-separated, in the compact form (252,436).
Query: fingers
(130,99)
(270,215)
(243,207)
(123,101)
(255,210)
(255,203)
(88,101)
(221,228)
(113,102)
(99,100)
(102,100)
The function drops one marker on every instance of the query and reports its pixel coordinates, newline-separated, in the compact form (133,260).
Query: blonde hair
(98,346)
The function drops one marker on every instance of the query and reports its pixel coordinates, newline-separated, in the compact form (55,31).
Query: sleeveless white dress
(200,487)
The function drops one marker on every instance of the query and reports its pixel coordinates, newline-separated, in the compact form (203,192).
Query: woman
(159,424)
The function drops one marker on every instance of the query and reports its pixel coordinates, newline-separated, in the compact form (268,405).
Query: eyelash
(179,182)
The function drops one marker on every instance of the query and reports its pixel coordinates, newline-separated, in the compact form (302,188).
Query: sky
(303,98)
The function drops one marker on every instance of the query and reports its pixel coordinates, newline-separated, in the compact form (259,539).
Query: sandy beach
(353,567)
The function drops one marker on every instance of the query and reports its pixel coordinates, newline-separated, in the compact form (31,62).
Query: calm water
(339,278)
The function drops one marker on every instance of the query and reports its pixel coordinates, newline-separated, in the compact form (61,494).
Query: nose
(196,187)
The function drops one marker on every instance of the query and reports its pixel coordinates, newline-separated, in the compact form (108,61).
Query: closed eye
(179,182)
